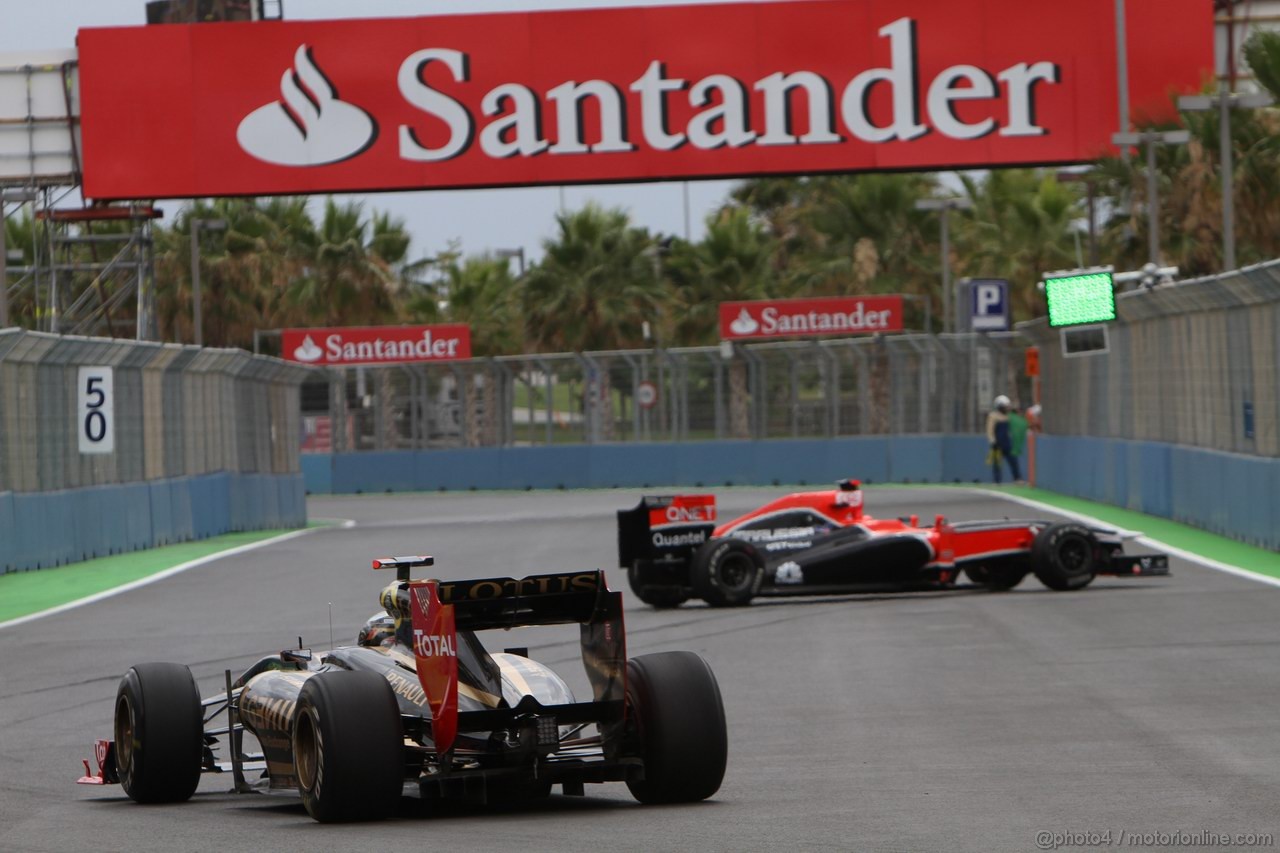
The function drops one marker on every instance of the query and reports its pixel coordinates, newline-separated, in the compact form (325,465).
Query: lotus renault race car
(821,542)
(419,706)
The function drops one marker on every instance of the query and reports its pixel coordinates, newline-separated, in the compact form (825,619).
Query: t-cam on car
(419,706)
(813,543)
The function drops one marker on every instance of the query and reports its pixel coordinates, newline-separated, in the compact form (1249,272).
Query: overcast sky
(480,219)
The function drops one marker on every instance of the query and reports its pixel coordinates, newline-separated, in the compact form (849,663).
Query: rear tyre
(676,722)
(159,733)
(727,572)
(1000,575)
(348,747)
(1063,557)
(658,597)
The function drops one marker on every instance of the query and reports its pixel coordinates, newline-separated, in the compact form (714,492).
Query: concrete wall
(42,529)
(874,459)
(1232,494)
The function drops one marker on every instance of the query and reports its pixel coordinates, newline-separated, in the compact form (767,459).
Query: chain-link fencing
(1195,363)
(178,411)
(906,384)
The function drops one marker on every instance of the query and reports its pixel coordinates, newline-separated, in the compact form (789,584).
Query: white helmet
(1002,402)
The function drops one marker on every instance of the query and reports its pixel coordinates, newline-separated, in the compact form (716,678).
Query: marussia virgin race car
(814,543)
(419,706)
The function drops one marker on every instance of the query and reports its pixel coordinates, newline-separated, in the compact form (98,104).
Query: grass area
(1170,532)
(22,593)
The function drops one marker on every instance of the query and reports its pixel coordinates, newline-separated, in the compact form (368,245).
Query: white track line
(161,575)
(1145,540)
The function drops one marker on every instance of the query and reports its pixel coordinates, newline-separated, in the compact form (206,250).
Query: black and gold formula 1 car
(419,707)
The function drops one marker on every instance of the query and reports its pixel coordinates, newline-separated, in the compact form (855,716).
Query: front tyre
(159,733)
(676,721)
(1063,556)
(347,747)
(727,572)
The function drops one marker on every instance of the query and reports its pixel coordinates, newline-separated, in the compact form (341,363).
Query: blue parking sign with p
(989,305)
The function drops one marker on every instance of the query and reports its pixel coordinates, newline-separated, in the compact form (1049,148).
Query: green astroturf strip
(1183,536)
(22,593)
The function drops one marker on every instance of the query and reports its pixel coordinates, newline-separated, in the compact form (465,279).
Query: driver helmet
(1002,402)
(378,631)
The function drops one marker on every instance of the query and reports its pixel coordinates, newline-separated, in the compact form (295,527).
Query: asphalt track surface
(958,720)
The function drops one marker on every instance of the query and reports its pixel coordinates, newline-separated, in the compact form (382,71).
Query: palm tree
(596,286)
(1020,226)
(734,261)
(481,292)
(353,267)
(868,237)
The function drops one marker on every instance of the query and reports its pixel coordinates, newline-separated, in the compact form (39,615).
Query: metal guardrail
(904,384)
(179,411)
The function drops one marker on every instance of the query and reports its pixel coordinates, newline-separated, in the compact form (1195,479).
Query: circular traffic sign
(647,394)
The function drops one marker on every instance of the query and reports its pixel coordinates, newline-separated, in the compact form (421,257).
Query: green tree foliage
(481,292)
(1019,227)
(596,286)
(736,260)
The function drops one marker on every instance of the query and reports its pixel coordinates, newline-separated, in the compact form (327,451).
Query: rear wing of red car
(440,609)
(669,527)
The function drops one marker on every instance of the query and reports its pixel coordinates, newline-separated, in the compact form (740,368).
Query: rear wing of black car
(440,609)
(665,528)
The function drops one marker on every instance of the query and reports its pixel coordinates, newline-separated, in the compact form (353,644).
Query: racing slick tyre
(1000,575)
(347,747)
(159,731)
(676,723)
(727,572)
(657,597)
(1062,556)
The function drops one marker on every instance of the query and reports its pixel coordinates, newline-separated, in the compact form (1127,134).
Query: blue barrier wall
(873,459)
(1227,493)
(42,529)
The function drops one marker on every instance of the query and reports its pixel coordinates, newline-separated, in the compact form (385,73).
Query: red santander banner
(621,94)
(792,318)
(357,346)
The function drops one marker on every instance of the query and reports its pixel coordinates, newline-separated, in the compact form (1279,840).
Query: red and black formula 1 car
(419,706)
(814,543)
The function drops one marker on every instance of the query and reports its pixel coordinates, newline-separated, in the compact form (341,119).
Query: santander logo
(829,315)
(308,351)
(309,126)
(744,324)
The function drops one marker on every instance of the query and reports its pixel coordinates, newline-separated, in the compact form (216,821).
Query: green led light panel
(1076,299)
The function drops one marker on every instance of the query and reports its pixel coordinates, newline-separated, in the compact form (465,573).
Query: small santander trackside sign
(357,346)
(793,318)
(621,94)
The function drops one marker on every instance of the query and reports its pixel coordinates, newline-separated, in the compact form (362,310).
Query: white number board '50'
(96,413)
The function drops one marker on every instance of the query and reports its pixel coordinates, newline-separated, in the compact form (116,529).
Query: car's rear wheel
(659,597)
(348,747)
(676,724)
(1062,556)
(159,733)
(999,575)
(727,572)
